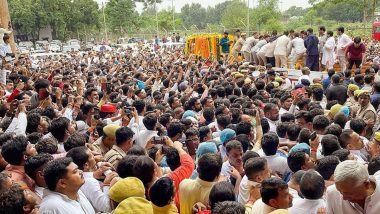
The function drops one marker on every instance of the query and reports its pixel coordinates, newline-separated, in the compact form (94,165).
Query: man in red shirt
(355,53)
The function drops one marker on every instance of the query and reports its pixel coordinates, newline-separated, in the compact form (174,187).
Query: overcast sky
(178,4)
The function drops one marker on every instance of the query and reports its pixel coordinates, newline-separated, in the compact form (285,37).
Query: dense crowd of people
(143,132)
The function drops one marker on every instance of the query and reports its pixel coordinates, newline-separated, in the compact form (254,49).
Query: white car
(54,48)
(100,48)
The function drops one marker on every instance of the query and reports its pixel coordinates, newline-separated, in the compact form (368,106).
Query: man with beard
(233,168)
(271,113)
(194,104)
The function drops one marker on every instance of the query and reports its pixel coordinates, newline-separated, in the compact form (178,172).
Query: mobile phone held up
(159,140)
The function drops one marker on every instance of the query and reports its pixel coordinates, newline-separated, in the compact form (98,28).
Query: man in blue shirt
(311,44)
(225,44)
(326,82)
(375,97)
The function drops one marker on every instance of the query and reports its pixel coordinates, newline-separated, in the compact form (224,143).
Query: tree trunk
(4,20)
(365,12)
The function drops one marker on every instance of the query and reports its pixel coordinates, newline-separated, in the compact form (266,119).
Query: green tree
(235,15)
(295,11)
(121,15)
(194,14)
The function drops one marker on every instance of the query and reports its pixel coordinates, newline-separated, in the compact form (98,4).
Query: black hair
(330,143)
(342,154)
(248,155)
(136,150)
(221,191)
(320,122)
(223,120)
(203,132)
(125,166)
(139,106)
(296,160)
(293,131)
(79,156)
(46,145)
(33,163)
(345,137)
(208,114)
(340,119)
(244,140)
(312,185)
(41,83)
(150,121)
(172,158)
(75,140)
(209,166)
(13,150)
(243,128)
(13,200)
(233,144)
(174,129)
(304,136)
(254,165)
(281,129)
(33,121)
(144,169)
(358,125)
(162,192)
(326,166)
(270,189)
(287,117)
(123,134)
(374,165)
(265,125)
(58,128)
(270,143)
(56,170)
(34,137)
(333,129)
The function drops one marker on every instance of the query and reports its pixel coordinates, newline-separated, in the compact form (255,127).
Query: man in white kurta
(328,55)
(343,42)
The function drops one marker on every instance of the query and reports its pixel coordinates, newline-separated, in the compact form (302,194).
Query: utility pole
(105,26)
(5,20)
(173,16)
(248,18)
(155,8)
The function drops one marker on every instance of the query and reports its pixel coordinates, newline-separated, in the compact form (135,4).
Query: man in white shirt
(271,113)
(354,190)
(63,196)
(91,188)
(312,187)
(281,50)
(274,195)
(343,42)
(255,49)
(248,44)
(298,46)
(278,164)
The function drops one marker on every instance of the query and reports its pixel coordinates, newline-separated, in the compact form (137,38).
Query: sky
(178,4)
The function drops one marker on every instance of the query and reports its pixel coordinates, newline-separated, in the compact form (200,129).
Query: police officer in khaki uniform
(367,112)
